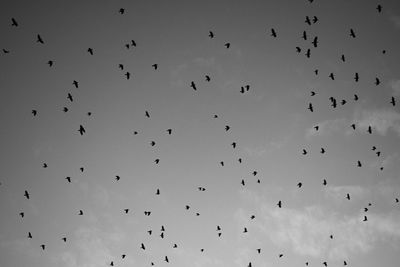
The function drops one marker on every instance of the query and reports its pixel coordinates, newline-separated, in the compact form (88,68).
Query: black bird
(244,230)
(352,34)
(325,263)
(117,178)
(393,101)
(80,212)
(304,36)
(343,102)
(123,256)
(121,11)
(30,235)
(222,163)
(332,76)
(68,179)
(208,78)
(34,112)
(211,34)
(22,214)
(169,131)
(50,63)
(155,66)
(312,93)
(343,58)
(365,218)
(75,83)
(316,71)
(227,127)
(356,77)
(70,97)
(81,169)
(158,192)
(81,130)
(227,45)
(310,107)
(152,143)
(156,161)
(322,150)
(128,75)
(5,51)
(45,165)
(259,250)
(316,127)
(90,50)
(142,246)
(43,246)
(370,129)
(26,194)
(279,204)
(242,90)
(379,8)
(315,41)
(373,148)
(147,114)
(355,97)
(377,81)
(308,21)
(234,144)
(133,43)
(304,152)
(121,66)
(273,33)
(353,126)
(166,259)
(242,182)
(344,263)
(64,239)
(359,164)
(39,39)
(308,53)
(193,85)
(315,19)
(126,211)
(298,49)
(324,182)
(299,184)
(378,153)
(14,22)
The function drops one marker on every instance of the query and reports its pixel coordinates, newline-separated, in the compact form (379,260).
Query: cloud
(328,127)
(380,121)
(338,193)
(395,85)
(306,231)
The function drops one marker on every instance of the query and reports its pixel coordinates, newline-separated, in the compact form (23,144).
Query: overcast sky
(270,124)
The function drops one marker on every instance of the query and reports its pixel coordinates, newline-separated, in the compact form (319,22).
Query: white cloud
(306,231)
(380,121)
(328,127)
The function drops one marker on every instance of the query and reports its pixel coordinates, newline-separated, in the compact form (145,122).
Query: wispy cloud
(380,120)
(306,231)
(328,127)
(395,85)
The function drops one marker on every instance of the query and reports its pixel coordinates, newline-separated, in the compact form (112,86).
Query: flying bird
(14,22)
(193,85)
(39,39)
(5,51)
(393,101)
(50,63)
(279,204)
(34,112)
(81,130)
(155,66)
(227,45)
(26,194)
(127,75)
(211,34)
(147,114)
(90,50)
(169,131)
(352,34)
(273,33)
(379,8)
(310,107)
(68,179)
(356,77)
(208,78)
(75,83)
(121,11)
(80,212)
(70,97)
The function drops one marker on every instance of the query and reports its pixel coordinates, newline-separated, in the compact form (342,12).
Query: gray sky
(270,124)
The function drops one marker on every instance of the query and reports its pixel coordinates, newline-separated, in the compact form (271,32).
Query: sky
(204,214)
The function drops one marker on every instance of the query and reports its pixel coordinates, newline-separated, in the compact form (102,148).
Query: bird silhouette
(377,81)
(155,66)
(68,179)
(279,204)
(315,42)
(322,150)
(39,39)
(34,112)
(70,97)
(14,22)
(273,33)
(5,51)
(64,239)
(356,77)
(126,211)
(81,130)
(147,114)
(80,212)
(26,194)
(365,218)
(166,259)
(352,33)
(133,43)
(227,127)
(298,49)
(193,85)
(117,178)
(121,11)
(50,63)
(310,107)
(355,97)
(43,246)
(121,66)
(208,78)
(348,196)
(304,36)
(30,235)
(22,214)
(315,19)
(332,76)
(324,182)
(90,50)
(75,83)
(393,101)
(211,34)
(308,21)
(304,152)
(308,53)
(379,8)
(299,184)
(359,164)
(127,75)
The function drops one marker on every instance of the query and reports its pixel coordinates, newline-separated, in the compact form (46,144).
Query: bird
(365,218)
(81,130)
(299,184)
(355,97)
(273,33)
(90,50)
(117,178)
(343,58)
(332,76)
(279,204)
(308,21)
(133,43)
(26,194)
(315,41)
(222,163)
(5,51)
(147,114)
(244,230)
(193,85)
(152,143)
(50,63)
(166,259)
(322,150)
(324,182)
(80,212)
(211,34)
(227,127)
(316,127)
(369,129)
(39,39)
(252,217)
(242,182)
(325,263)
(34,112)
(379,8)
(259,250)
(30,235)
(169,131)
(64,239)
(315,19)
(22,214)
(43,246)
(142,246)
(158,192)
(121,66)
(68,179)
(227,45)
(45,165)
(121,11)
(75,83)
(70,97)
(298,49)
(233,144)
(353,126)
(280,255)
(157,161)
(81,169)
(348,196)
(352,33)
(304,152)
(310,107)
(393,101)
(208,78)
(155,66)
(313,93)
(127,75)
(308,53)
(304,36)
(356,77)
(126,211)
(14,22)
(359,164)
(377,81)
(112,263)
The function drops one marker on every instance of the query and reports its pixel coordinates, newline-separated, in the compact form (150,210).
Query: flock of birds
(274,33)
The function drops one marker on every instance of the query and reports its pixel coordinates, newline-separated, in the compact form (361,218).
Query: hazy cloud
(395,85)
(380,121)
(328,127)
